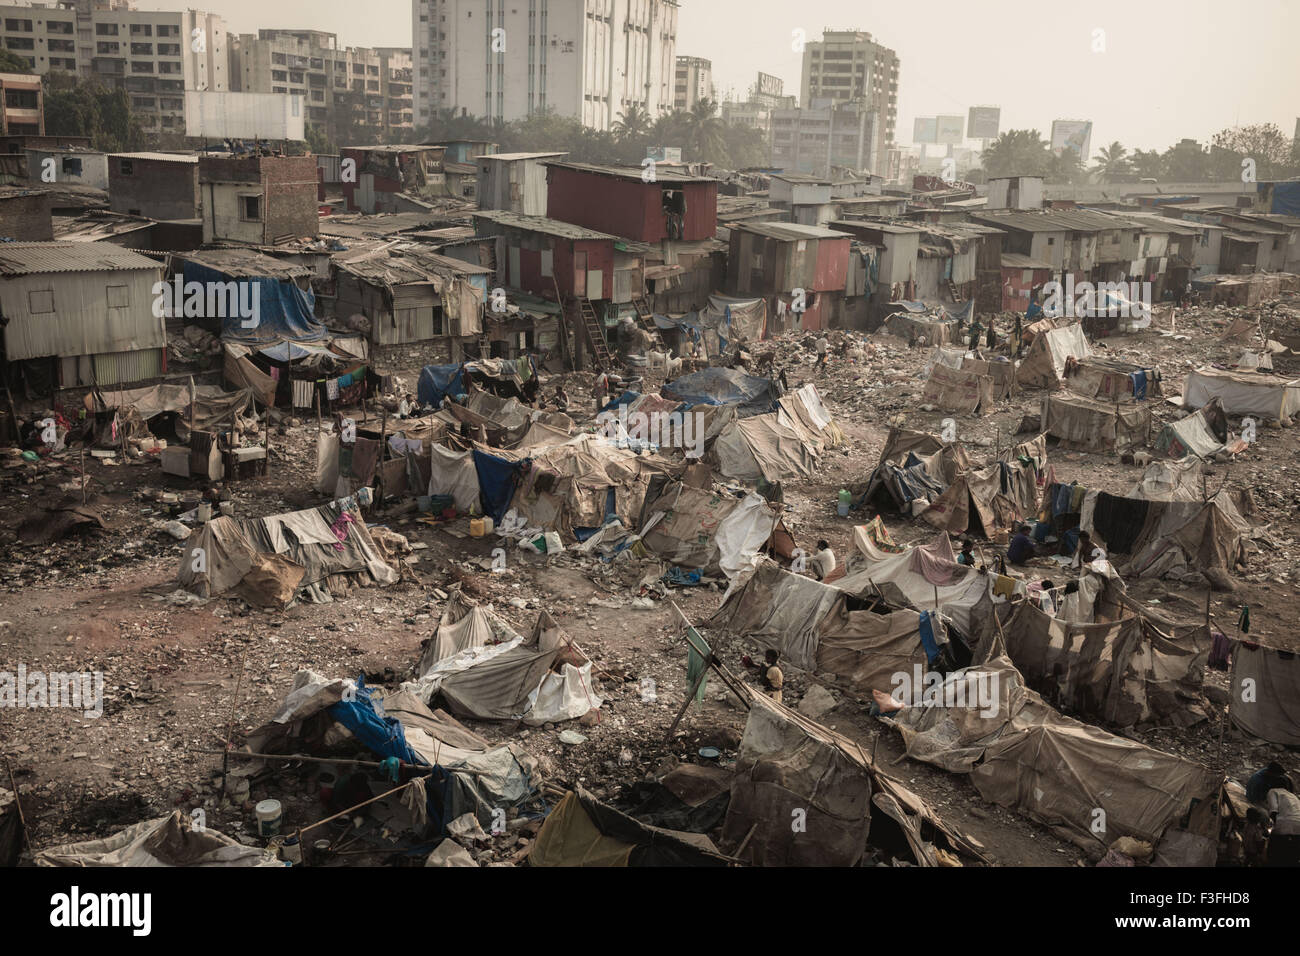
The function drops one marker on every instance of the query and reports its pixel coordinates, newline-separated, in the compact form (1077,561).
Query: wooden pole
(83,476)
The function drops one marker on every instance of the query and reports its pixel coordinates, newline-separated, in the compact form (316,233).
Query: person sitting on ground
(1284,839)
(1272,777)
(1087,552)
(967,554)
(823,562)
(1254,838)
(1021,547)
(773,679)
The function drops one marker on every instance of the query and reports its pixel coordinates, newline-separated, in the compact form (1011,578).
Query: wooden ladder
(952,290)
(595,334)
(646,319)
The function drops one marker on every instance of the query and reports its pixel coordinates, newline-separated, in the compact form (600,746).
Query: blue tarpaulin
(1286,198)
(627,398)
(496,482)
(439,381)
(379,734)
(284,312)
(725,386)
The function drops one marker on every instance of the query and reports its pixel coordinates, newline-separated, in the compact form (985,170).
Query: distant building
(848,66)
(586,59)
(153,55)
(25,214)
(389,178)
(1015,192)
(258,200)
(618,200)
(22,105)
(74,167)
(693,82)
(814,140)
(154,185)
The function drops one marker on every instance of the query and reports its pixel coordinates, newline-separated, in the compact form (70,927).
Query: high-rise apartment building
(694,82)
(848,66)
(154,55)
(508,59)
(343,87)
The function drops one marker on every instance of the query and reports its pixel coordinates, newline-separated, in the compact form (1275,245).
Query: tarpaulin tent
(772,447)
(726,320)
(284,311)
(1244,393)
(497,480)
(789,763)
(453,473)
(437,382)
(725,386)
(1044,364)
(214,409)
(1135,669)
(912,465)
(164,841)
(1273,713)
(1027,757)
(697,528)
(1203,433)
(317,549)
(1087,424)
(993,498)
(581,831)
(958,390)
(1190,535)
(1110,381)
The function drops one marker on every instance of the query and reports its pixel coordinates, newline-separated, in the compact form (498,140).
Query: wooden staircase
(646,319)
(952,290)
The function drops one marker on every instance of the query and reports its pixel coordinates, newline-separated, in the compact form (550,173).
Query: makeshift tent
(772,447)
(1087,424)
(581,831)
(724,386)
(453,474)
(1169,481)
(1044,364)
(1001,371)
(727,320)
(164,841)
(437,382)
(916,323)
(284,311)
(1181,536)
(1204,433)
(314,552)
(240,372)
(789,763)
(913,466)
(214,410)
(958,390)
(993,498)
(1110,381)
(1025,756)
(1244,393)
(925,578)
(1273,712)
(1134,669)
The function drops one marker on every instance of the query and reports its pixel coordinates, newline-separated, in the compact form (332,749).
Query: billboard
(950,129)
(984,122)
(221,115)
(1074,135)
(924,130)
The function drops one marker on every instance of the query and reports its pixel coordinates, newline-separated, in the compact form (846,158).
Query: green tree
(632,123)
(704,134)
(1148,164)
(1065,167)
(1017,152)
(1186,162)
(13,63)
(317,141)
(76,108)
(1113,164)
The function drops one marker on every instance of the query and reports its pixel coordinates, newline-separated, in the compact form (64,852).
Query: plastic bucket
(205,511)
(268,817)
(424,503)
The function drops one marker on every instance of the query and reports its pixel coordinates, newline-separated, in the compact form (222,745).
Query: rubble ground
(182,673)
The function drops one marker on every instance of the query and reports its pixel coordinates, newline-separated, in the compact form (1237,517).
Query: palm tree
(1017,152)
(1112,163)
(632,123)
(704,132)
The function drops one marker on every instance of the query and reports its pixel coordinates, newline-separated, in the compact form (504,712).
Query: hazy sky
(1170,69)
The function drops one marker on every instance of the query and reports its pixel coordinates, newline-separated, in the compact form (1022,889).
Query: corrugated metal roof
(246,263)
(28,258)
(634,172)
(1014,260)
(890,227)
(158,157)
(409,264)
(787,231)
(515,157)
(543,224)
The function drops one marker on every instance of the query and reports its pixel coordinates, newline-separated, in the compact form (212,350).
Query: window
(126,167)
(250,208)
(40,302)
(119,297)
(71,166)
(106,29)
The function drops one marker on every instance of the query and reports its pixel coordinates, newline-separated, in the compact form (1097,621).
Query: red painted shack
(534,250)
(376,178)
(617,200)
(1020,275)
(780,260)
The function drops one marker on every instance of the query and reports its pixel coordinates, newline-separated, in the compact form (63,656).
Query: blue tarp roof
(284,312)
(437,382)
(725,386)
(496,482)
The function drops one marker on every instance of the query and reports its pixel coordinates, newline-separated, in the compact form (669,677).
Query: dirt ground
(182,675)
